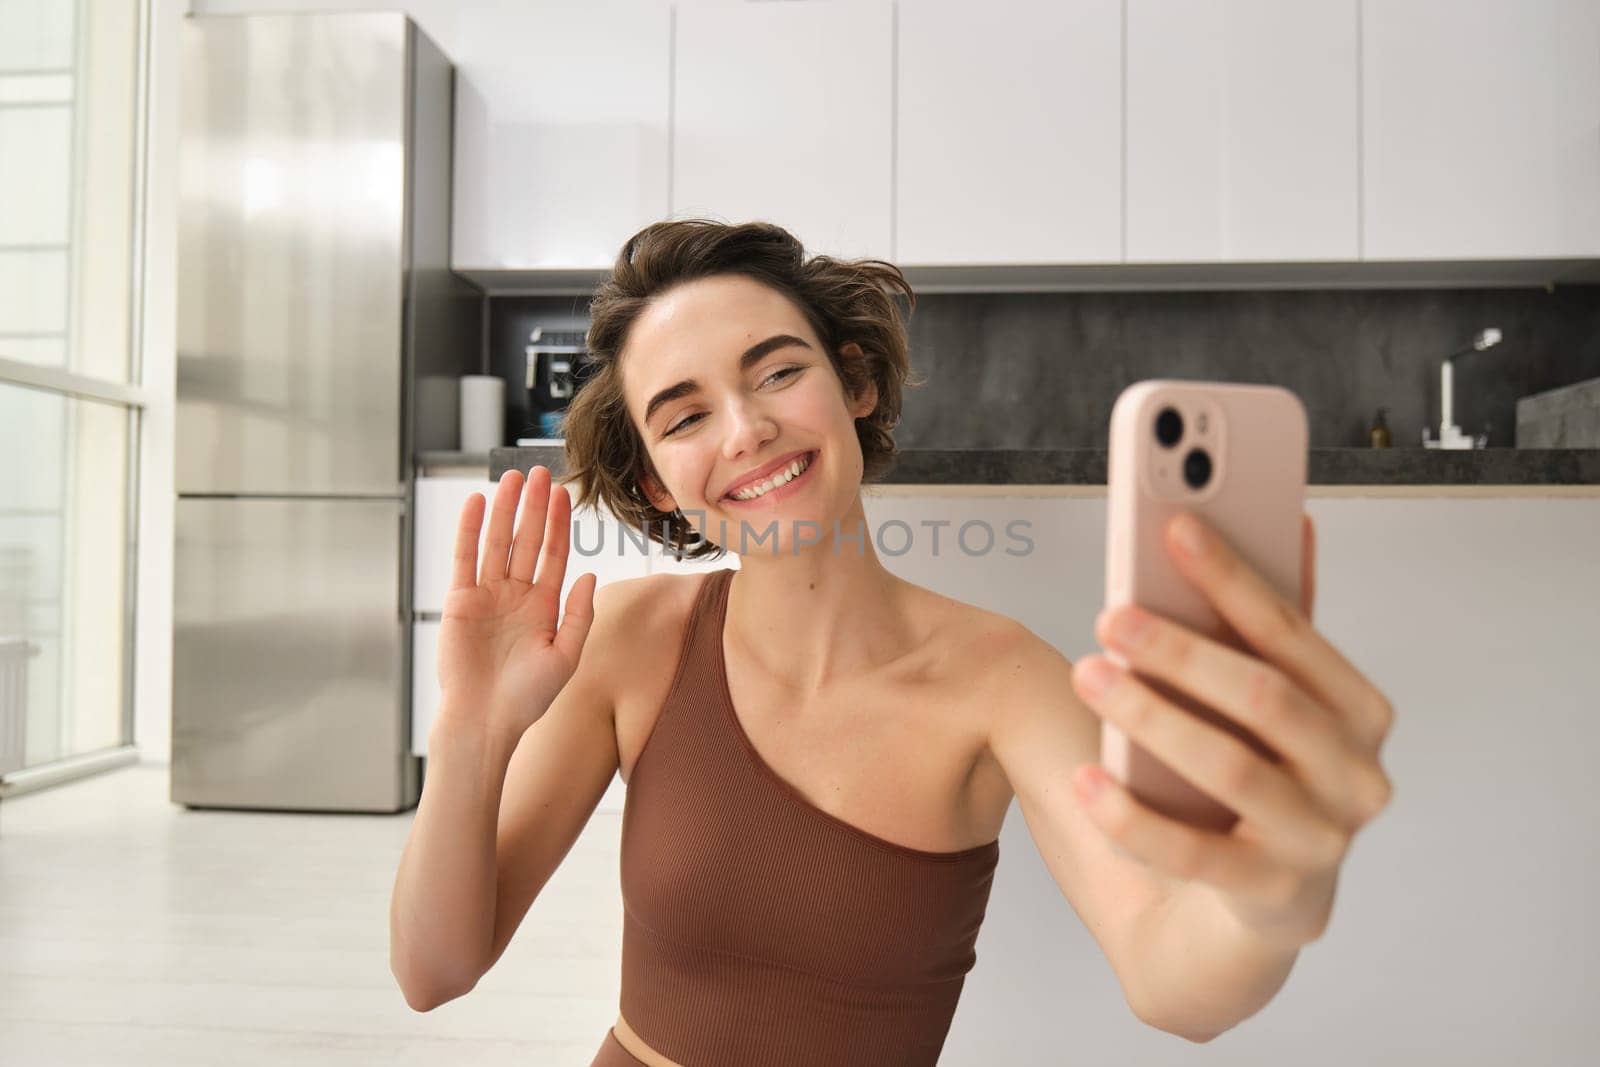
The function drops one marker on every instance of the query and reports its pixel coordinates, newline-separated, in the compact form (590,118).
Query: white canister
(483,412)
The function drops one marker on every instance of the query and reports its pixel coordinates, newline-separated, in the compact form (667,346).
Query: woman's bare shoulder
(634,603)
(957,620)
(637,617)
(995,665)
(993,648)
(643,638)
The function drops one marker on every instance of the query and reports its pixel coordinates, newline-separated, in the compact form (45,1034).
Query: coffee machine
(555,370)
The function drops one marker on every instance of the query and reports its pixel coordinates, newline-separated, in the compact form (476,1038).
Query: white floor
(133,931)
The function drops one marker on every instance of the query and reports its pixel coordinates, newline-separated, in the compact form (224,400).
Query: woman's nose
(749,427)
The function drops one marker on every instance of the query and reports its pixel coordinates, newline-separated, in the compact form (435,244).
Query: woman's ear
(868,402)
(656,494)
(863,405)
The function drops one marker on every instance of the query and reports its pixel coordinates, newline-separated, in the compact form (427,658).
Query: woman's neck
(829,613)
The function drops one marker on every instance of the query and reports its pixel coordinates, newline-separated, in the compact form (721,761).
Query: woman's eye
(688,420)
(680,424)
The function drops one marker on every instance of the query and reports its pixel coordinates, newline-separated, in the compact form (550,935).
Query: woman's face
(728,387)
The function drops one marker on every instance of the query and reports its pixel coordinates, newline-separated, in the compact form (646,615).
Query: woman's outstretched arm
(1201,927)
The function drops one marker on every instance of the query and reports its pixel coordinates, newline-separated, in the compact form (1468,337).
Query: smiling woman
(819,754)
(849,310)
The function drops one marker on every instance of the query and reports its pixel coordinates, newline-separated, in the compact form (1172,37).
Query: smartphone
(1234,455)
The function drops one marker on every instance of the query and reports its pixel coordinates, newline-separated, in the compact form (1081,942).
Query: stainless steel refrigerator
(319,332)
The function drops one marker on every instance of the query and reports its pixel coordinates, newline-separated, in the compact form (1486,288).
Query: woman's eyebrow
(752,355)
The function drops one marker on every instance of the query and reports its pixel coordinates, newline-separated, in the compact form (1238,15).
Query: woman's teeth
(788,474)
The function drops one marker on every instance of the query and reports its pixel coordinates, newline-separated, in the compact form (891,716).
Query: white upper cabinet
(1482,122)
(782,113)
(1009,132)
(1243,130)
(1015,132)
(561,131)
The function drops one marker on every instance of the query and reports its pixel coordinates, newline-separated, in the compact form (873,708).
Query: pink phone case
(1256,439)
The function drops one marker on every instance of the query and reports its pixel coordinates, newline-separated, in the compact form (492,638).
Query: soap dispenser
(1379,434)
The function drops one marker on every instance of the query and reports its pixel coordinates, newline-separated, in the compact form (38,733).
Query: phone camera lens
(1169,427)
(1197,468)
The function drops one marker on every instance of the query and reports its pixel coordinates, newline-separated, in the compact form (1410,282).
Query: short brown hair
(843,301)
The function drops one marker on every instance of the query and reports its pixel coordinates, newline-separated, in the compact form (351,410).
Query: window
(71,81)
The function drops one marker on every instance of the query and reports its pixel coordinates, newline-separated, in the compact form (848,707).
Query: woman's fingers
(1170,727)
(464,560)
(497,543)
(1253,694)
(530,525)
(1171,847)
(557,535)
(580,615)
(542,532)
(1278,631)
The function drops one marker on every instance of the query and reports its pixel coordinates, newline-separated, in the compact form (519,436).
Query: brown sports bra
(759,929)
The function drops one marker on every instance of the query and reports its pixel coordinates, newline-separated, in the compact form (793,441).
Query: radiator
(14,653)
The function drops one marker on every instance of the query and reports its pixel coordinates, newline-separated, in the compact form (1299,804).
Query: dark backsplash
(1041,370)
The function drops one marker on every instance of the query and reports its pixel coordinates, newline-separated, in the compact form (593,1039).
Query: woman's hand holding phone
(502,658)
(1276,869)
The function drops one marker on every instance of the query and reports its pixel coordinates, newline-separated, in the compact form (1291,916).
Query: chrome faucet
(1450,435)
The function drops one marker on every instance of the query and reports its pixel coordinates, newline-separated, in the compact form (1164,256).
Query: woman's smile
(777,493)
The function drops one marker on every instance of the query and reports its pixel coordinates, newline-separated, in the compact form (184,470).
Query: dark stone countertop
(1422,468)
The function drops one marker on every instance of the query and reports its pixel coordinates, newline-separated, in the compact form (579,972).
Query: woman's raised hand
(502,659)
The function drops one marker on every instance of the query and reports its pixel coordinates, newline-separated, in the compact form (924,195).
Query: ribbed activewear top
(761,931)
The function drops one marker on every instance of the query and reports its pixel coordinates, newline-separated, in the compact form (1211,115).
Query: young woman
(819,755)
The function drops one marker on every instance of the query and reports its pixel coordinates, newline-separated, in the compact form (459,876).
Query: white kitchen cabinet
(1242,130)
(561,131)
(782,112)
(1009,132)
(1482,129)
(438,503)
(606,548)
(619,558)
